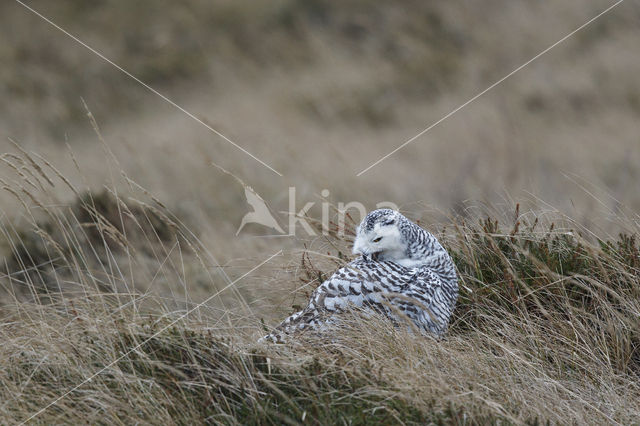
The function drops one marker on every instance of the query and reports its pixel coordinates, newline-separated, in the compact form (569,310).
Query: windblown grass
(547,328)
(100,289)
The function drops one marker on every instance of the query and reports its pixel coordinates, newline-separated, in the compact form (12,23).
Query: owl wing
(385,287)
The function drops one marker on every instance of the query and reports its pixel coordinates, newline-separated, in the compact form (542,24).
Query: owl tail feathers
(283,333)
(295,324)
(275,337)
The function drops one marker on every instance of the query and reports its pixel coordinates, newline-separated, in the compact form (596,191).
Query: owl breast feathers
(402,273)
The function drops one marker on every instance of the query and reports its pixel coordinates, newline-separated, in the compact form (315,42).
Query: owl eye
(377,239)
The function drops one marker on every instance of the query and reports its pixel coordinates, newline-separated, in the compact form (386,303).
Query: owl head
(380,236)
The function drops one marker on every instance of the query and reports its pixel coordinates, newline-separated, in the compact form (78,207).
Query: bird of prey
(402,272)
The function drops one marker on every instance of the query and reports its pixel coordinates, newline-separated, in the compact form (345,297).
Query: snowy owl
(402,272)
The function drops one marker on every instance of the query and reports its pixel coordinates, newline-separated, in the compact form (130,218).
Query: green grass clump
(555,279)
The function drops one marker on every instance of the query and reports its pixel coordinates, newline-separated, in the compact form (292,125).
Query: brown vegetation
(124,293)
(546,329)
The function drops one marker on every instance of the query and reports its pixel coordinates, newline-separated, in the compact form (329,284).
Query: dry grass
(546,329)
(109,240)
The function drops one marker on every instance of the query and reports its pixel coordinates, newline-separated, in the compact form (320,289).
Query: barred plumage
(403,271)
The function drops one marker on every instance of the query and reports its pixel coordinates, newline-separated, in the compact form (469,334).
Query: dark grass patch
(81,237)
(553,277)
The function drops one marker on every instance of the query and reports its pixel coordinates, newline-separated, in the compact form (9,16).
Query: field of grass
(99,325)
(127,297)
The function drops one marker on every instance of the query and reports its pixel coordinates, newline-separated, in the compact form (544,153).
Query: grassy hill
(127,297)
(546,328)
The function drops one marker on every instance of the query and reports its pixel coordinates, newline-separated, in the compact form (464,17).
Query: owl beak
(360,248)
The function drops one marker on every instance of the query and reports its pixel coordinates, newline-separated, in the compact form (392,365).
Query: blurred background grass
(320,89)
